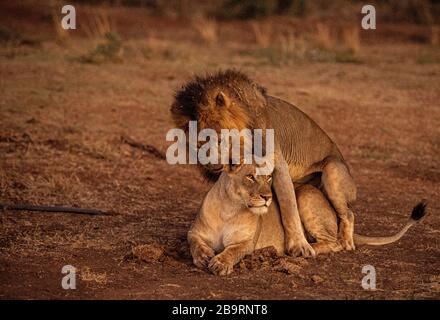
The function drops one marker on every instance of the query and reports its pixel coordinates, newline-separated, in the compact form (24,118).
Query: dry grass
(61,35)
(207,29)
(434,35)
(344,37)
(101,29)
(323,36)
(87,275)
(110,49)
(263,33)
(289,47)
(154,48)
(350,38)
(293,45)
(97,23)
(38,238)
(49,186)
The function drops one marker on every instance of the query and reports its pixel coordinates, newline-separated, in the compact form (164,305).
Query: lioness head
(247,188)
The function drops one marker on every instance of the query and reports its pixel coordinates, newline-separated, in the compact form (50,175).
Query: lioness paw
(202,255)
(220,266)
(303,249)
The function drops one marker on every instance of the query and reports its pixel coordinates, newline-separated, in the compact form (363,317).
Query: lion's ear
(222,100)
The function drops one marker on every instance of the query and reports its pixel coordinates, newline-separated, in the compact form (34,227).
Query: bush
(110,50)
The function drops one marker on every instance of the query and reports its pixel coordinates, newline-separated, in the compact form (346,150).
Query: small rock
(317,279)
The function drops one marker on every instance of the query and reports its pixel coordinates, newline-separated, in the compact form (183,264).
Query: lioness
(238,216)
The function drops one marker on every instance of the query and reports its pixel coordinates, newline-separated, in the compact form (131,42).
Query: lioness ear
(222,100)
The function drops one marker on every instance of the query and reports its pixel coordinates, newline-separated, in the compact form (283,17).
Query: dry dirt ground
(61,128)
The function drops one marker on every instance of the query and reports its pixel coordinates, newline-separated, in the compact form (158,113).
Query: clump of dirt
(261,259)
(288,265)
(316,279)
(148,253)
(268,258)
(167,255)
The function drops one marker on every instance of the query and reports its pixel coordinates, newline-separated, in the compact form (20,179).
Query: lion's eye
(250,177)
(269,178)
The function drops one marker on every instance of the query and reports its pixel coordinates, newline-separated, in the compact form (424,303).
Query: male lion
(303,151)
(238,216)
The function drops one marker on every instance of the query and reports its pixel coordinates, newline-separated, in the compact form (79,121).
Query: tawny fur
(231,100)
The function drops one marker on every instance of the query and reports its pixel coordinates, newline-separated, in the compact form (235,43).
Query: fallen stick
(57,209)
(144,147)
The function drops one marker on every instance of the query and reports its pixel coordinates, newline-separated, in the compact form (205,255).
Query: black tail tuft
(419,211)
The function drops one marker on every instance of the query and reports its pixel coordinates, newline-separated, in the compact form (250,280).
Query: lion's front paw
(220,265)
(303,248)
(202,255)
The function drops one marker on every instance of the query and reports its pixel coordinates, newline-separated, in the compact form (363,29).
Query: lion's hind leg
(341,191)
(319,219)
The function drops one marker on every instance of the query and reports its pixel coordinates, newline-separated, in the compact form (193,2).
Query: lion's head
(224,100)
(247,189)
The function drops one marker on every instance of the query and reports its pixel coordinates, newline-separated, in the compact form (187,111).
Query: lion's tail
(418,212)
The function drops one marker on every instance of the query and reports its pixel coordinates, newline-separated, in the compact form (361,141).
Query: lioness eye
(250,177)
(269,178)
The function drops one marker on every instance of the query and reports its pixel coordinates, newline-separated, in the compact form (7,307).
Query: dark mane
(188,98)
